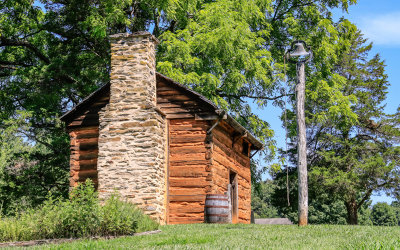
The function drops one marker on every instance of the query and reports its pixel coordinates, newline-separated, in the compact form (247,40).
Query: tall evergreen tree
(351,160)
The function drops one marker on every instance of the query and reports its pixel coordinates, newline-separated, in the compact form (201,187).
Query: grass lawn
(207,236)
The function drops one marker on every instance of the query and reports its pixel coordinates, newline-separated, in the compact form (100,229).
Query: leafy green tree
(383,215)
(323,209)
(28,172)
(53,53)
(364,214)
(261,202)
(350,159)
(396,206)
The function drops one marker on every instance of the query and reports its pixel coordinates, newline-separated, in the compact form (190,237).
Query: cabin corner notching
(161,145)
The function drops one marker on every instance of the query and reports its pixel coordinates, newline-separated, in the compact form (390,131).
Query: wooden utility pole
(301,145)
(298,51)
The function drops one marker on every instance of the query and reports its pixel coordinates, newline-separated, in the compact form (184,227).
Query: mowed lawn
(207,236)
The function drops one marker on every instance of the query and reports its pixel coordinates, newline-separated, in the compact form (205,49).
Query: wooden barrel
(217,208)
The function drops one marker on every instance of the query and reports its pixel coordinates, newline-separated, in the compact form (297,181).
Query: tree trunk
(302,148)
(352,212)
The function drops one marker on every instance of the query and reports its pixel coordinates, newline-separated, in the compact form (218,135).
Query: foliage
(54,53)
(22,161)
(384,215)
(364,214)
(351,158)
(322,208)
(232,52)
(80,216)
(261,200)
(396,206)
(207,236)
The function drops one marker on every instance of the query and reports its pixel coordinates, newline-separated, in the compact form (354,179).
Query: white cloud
(382,29)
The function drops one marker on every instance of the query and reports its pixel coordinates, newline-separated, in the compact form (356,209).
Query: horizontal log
(191,215)
(167,92)
(187,198)
(186,122)
(187,139)
(185,109)
(89,144)
(79,167)
(199,182)
(86,154)
(191,127)
(160,83)
(187,149)
(187,157)
(84,174)
(83,163)
(184,220)
(165,104)
(88,134)
(174,98)
(188,172)
(186,191)
(188,163)
(187,133)
(179,115)
(83,129)
(186,209)
(164,88)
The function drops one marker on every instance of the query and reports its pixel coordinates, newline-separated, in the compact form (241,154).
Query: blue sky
(380,23)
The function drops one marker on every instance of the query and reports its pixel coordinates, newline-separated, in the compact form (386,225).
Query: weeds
(80,216)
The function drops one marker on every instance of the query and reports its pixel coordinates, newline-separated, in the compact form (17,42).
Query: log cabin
(159,144)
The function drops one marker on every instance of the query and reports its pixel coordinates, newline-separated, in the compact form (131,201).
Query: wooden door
(233,196)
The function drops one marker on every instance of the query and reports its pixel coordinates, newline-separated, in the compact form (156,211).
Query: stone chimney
(132,133)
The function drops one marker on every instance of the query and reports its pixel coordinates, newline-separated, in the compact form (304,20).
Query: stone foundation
(132,136)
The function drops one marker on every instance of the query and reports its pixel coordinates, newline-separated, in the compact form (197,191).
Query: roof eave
(238,127)
(256,144)
(85,101)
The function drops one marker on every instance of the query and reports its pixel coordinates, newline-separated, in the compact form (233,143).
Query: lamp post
(297,54)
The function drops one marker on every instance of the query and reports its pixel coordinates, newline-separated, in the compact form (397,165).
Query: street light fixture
(297,54)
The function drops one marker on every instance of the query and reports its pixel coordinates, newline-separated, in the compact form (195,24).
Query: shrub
(383,215)
(80,216)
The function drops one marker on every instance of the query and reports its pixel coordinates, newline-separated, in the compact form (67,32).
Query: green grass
(208,236)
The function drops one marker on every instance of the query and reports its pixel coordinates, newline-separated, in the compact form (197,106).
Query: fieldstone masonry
(132,130)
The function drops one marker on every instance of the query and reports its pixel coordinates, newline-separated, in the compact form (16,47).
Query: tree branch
(368,137)
(276,10)
(26,44)
(366,197)
(253,97)
(7,63)
(277,17)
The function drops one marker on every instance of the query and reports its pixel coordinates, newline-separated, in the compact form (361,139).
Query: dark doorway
(233,196)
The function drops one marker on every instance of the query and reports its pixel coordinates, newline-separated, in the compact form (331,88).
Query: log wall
(177,104)
(227,157)
(84,153)
(189,171)
(83,130)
